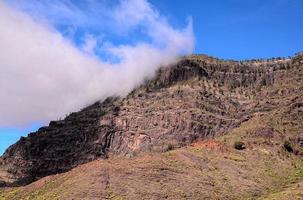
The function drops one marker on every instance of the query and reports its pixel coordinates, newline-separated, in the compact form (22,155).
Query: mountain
(201,128)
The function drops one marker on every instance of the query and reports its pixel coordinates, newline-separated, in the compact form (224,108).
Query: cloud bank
(47,70)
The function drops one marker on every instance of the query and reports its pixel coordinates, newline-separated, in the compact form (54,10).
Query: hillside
(211,169)
(173,138)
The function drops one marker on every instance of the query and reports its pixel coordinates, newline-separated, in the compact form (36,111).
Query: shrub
(288,146)
(170,147)
(2,184)
(239,145)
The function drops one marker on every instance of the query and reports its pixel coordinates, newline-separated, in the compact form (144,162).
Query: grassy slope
(212,169)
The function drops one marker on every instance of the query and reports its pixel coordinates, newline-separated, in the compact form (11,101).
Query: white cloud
(44,76)
(89,44)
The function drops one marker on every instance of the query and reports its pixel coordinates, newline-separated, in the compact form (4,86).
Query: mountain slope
(197,98)
(210,169)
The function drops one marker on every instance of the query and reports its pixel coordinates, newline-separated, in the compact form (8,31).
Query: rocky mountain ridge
(199,97)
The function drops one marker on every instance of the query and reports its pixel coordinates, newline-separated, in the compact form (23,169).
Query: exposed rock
(198,97)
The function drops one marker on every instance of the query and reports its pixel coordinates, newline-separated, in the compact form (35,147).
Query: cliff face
(199,97)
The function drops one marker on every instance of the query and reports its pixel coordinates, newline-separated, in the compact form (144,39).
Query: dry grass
(207,169)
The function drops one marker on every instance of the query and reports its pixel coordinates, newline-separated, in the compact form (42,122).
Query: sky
(241,29)
(58,56)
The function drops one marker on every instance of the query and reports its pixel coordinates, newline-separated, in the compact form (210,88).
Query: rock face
(198,97)
(61,145)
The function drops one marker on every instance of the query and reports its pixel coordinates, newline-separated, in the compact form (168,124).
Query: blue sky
(237,29)
(241,29)
(10,135)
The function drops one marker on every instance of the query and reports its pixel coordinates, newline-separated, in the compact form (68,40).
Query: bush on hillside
(239,145)
(288,146)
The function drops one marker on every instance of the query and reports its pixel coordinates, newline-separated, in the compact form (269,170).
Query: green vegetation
(170,147)
(239,145)
(288,146)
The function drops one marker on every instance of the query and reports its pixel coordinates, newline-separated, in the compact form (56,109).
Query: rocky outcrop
(198,97)
(61,145)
